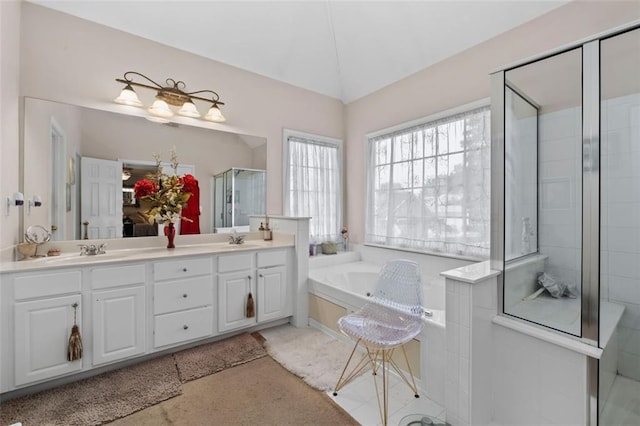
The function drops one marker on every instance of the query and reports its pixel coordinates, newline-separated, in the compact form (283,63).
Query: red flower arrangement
(169,197)
(143,188)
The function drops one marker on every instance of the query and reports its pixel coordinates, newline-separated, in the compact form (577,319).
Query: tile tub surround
(470,305)
(509,372)
(499,375)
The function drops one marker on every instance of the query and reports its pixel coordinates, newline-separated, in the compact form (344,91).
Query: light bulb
(160,109)
(189,110)
(215,114)
(128,96)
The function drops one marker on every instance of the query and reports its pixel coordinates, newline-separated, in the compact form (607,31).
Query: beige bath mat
(310,354)
(98,399)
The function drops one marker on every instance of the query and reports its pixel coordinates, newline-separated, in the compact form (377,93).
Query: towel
(556,287)
(192,210)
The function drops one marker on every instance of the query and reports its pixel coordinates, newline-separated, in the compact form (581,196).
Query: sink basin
(76,258)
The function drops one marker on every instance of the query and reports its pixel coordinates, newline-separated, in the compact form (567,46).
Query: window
(313,182)
(429,186)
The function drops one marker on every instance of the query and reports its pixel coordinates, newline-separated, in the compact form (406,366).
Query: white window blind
(313,184)
(429,186)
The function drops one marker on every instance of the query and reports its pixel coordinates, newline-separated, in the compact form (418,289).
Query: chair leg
(379,359)
(386,358)
(412,385)
(357,369)
(383,357)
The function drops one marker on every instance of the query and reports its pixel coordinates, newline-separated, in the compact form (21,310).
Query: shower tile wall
(620,222)
(560,174)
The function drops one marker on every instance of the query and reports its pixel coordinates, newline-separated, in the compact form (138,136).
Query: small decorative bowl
(27,250)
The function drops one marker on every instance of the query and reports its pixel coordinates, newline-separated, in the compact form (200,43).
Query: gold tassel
(251,310)
(74,348)
(75,345)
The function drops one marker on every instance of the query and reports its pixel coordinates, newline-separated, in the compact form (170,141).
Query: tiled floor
(358,398)
(623,405)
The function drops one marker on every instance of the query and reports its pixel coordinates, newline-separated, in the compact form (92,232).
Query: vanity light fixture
(173,94)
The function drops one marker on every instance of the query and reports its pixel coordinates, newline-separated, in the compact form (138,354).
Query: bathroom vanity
(131,303)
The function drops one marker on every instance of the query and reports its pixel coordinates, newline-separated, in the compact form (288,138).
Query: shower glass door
(619,368)
(543,191)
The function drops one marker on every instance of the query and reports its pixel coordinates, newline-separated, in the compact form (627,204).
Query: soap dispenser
(266,233)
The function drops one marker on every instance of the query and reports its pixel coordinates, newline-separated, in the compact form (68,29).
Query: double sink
(141,253)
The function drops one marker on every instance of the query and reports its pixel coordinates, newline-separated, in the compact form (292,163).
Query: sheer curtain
(429,186)
(313,184)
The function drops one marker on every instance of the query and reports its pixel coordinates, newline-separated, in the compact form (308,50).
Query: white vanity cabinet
(236,280)
(262,274)
(182,300)
(43,315)
(133,307)
(274,298)
(119,314)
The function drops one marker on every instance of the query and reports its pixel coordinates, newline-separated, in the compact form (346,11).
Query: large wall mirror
(58,138)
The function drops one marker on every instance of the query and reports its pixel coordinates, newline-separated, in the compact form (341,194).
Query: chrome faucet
(236,239)
(92,249)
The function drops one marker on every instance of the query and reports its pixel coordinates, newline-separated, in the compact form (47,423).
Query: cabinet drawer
(29,286)
(182,268)
(235,262)
(190,293)
(271,258)
(117,276)
(183,326)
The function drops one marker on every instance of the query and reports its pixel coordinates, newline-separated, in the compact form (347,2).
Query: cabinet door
(118,324)
(273,294)
(42,329)
(233,291)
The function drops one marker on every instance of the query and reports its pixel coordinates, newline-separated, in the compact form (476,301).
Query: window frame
(320,140)
(369,171)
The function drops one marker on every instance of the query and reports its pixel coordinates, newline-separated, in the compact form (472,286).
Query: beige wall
(66,59)
(9,125)
(70,60)
(461,79)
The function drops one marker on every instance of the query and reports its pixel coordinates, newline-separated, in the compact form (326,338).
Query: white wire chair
(391,318)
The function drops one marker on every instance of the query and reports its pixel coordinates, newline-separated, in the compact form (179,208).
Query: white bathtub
(353,282)
(349,284)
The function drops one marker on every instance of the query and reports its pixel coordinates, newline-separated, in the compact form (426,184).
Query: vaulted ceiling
(343,49)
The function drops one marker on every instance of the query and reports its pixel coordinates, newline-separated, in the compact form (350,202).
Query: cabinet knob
(185,326)
(184,269)
(184,295)
(261,275)
(249,277)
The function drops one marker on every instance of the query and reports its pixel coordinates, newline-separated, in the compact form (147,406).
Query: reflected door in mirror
(101,197)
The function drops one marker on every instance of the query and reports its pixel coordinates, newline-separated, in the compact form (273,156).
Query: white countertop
(74,259)
(472,274)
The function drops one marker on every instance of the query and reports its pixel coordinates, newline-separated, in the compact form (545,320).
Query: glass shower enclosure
(238,194)
(566,206)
